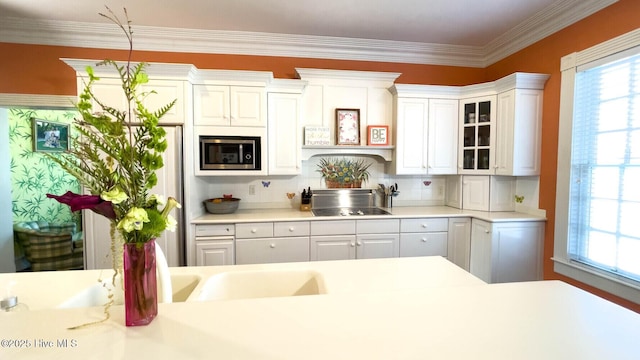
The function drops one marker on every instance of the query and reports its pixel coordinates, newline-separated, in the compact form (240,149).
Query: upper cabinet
(500,130)
(426,130)
(519,132)
(477,135)
(220,105)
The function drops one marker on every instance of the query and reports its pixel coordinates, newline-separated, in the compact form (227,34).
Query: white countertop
(285,214)
(468,320)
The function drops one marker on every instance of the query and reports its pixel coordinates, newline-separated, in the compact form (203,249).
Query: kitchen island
(409,308)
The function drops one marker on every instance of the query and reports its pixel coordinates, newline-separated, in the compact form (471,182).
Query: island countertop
(288,214)
(529,320)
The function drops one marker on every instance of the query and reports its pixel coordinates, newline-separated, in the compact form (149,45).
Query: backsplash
(271,191)
(33,175)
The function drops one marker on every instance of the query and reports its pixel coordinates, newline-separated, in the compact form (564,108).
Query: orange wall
(34,69)
(544,57)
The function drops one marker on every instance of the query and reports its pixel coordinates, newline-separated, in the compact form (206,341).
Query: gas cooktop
(349,211)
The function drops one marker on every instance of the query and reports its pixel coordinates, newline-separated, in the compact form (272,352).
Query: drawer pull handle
(292,229)
(272,246)
(253,231)
(424,239)
(424,226)
(352,244)
(358,243)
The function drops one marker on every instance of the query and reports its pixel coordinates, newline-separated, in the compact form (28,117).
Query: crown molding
(95,35)
(38,101)
(546,22)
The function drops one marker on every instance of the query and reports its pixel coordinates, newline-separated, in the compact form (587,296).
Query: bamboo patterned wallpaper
(33,175)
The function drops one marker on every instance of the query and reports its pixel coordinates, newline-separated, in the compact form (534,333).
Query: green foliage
(344,170)
(118,149)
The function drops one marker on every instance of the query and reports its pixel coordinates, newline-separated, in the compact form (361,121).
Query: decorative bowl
(221,205)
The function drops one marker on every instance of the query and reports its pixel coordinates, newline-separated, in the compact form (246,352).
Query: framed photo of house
(348,126)
(378,135)
(49,136)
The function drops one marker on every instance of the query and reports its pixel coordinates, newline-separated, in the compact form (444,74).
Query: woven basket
(338,185)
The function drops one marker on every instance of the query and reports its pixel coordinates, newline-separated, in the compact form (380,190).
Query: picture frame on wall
(378,135)
(348,126)
(49,136)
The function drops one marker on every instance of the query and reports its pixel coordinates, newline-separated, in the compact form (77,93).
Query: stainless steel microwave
(230,153)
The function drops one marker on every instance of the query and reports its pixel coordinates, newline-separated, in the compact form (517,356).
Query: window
(597,237)
(604,198)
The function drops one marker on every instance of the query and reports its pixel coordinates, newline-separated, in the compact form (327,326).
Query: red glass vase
(140,285)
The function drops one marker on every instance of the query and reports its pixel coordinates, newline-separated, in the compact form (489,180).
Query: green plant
(117,152)
(343,170)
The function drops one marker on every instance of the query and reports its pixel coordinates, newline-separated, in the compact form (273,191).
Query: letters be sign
(378,134)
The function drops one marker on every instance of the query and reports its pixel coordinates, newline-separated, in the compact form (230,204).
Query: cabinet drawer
(291,228)
(333,227)
(423,244)
(254,230)
(424,225)
(215,229)
(275,250)
(382,226)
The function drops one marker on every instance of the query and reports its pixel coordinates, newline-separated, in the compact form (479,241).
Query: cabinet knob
(352,244)
(272,246)
(358,243)
(424,226)
(486,231)
(227,229)
(424,239)
(291,229)
(253,231)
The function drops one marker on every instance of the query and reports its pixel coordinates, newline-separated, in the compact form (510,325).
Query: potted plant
(344,173)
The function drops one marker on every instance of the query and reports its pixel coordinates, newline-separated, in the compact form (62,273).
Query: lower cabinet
(424,237)
(215,244)
(506,251)
(459,244)
(261,243)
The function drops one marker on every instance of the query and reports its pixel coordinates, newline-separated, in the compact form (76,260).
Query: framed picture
(348,126)
(378,135)
(49,136)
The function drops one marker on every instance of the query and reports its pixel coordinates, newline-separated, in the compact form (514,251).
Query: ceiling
(420,24)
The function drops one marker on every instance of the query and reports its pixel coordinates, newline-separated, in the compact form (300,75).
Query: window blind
(604,203)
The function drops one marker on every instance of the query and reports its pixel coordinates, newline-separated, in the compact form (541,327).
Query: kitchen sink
(260,284)
(97,293)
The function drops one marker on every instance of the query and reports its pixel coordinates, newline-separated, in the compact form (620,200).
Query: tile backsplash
(271,191)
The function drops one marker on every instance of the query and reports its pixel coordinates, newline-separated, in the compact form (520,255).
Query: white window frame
(569,66)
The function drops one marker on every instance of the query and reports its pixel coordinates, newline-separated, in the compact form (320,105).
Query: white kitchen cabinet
(488,193)
(214,252)
(459,244)
(423,237)
(215,244)
(426,131)
(519,132)
(477,135)
(221,105)
(506,251)
(285,135)
(109,91)
(272,242)
(377,238)
(332,240)
(411,123)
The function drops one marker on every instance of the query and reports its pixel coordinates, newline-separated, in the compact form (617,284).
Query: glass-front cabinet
(477,135)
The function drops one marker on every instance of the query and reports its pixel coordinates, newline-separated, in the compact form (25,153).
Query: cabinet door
(272,250)
(459,244)
(248,106)
(423,244)
(214,252)
(333,247)
(284,134)
(477,136)
(480,261)
(165,91)
(411,137)
(442,152)
(475,192)
(517,251)
(519,132)
(211,105)
(373,246)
